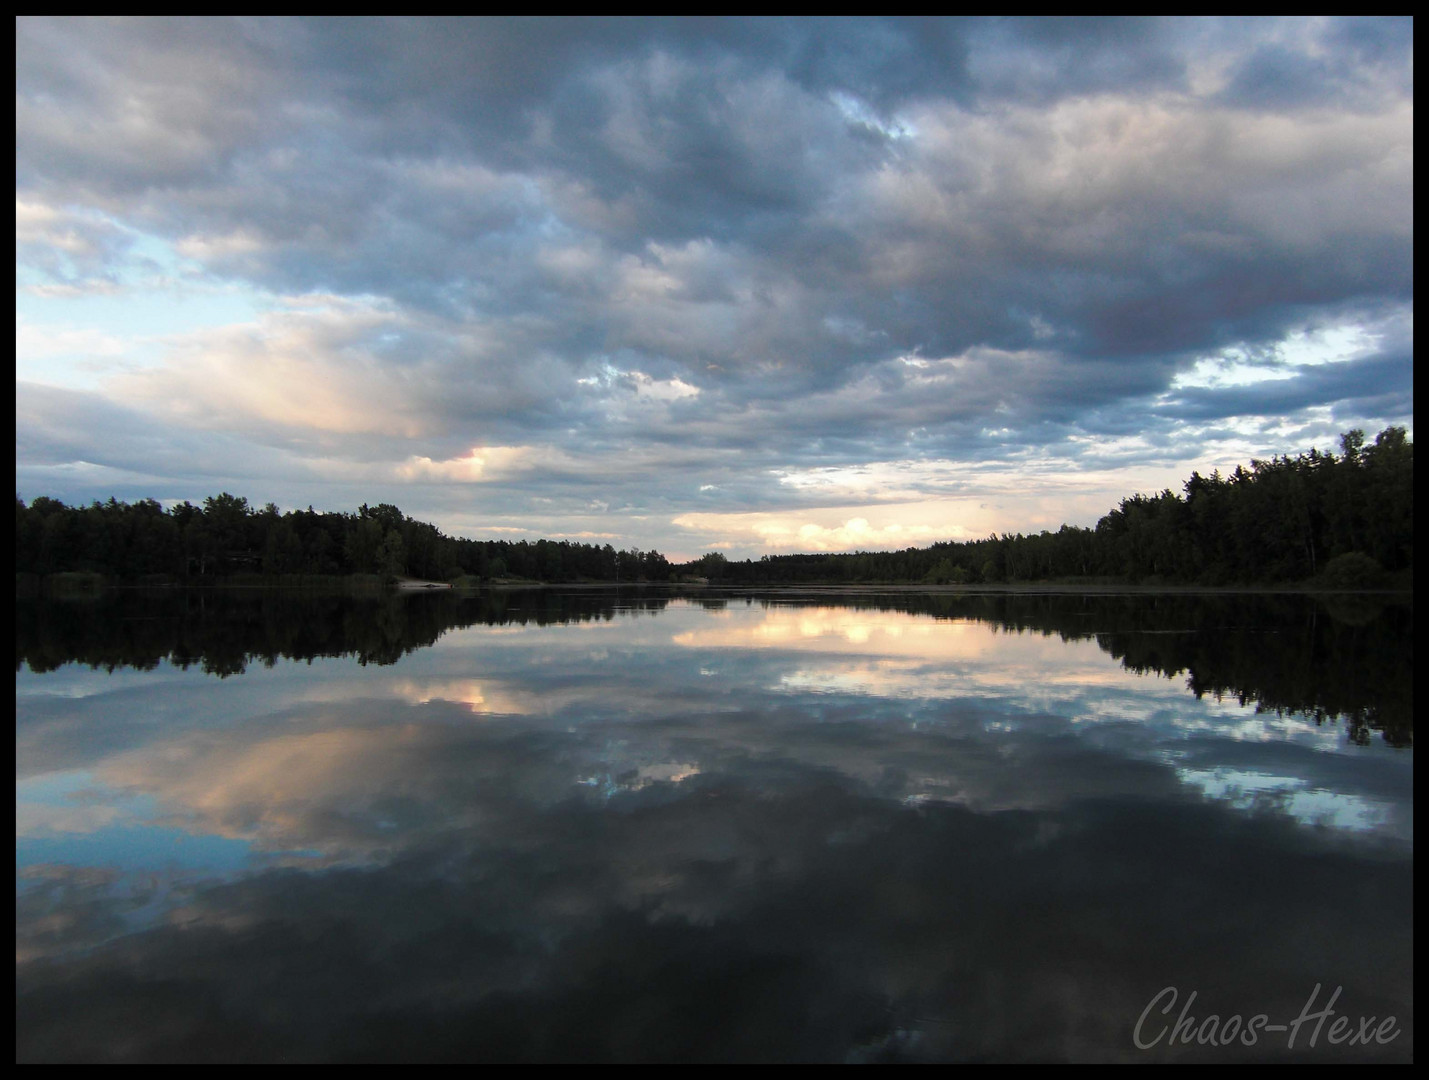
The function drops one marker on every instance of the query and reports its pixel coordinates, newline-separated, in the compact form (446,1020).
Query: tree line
(1344,520)
(225,538)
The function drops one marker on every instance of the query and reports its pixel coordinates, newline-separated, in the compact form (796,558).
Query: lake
(590,826)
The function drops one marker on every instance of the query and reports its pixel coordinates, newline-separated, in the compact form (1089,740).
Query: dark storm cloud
(759,218)
(1360,55)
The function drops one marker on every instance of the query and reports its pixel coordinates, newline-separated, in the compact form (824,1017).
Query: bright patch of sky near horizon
(749,287)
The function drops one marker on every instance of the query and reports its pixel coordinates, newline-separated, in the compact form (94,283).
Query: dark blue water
(576,828)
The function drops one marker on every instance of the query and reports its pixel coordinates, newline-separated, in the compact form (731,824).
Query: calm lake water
(588,827)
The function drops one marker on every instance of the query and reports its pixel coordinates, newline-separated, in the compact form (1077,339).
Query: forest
(226,539)
(1338,520)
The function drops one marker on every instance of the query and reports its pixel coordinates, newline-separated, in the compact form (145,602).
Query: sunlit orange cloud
(486,463)
(842,528)
(482,463)
(305,368)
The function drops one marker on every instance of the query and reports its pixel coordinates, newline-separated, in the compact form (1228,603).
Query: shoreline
(862,589)
(89,584)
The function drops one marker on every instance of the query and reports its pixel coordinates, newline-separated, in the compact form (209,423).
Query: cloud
(1375,384)
(68,252)
(311,369)
(893,526)
(677,261)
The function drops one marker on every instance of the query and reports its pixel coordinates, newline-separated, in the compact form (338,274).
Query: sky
(753,286)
